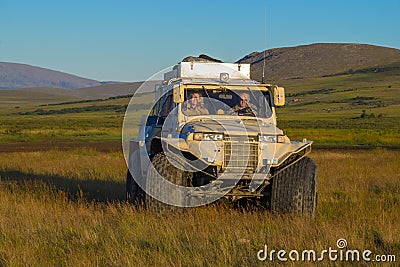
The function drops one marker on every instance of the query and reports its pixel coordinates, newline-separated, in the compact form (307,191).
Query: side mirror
(178,94)
(279,96)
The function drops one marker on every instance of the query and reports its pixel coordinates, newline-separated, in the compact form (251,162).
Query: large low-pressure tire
(134,194)
(294,190)
(169,172)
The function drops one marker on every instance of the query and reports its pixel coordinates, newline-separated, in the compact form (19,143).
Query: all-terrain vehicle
(212,133)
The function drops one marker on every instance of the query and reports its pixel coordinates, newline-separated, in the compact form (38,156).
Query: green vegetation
(72,120)
(352,109)
(88,100)
(348,109)
(115,108)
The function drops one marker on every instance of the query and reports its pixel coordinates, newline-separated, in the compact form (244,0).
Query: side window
(155,111)
(167,106)
(158,105)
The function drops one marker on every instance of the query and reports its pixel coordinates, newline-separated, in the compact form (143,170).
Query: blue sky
(125,40)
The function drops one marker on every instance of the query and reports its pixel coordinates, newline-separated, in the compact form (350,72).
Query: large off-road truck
(223,144)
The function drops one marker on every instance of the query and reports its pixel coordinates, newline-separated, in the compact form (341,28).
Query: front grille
(241,138)
(241,156)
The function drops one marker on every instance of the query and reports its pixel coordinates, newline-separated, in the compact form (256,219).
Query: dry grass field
(67,208)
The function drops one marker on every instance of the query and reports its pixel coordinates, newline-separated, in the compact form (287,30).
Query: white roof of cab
(218,82)
(208,70)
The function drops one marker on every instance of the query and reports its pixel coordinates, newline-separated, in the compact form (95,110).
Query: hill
(22,98)
(14,75)
(317,60)
(93,92)
(111,90)
(290,67)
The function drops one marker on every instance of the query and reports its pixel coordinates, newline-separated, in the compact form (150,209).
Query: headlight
(271,138)
(198,136)
(208,136)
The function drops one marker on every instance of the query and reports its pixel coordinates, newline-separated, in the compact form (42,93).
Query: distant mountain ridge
(15,75)
(316,60)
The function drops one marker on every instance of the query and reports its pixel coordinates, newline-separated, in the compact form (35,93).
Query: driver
(245,108)
(195,105)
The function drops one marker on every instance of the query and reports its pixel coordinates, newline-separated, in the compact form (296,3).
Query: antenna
(265,39)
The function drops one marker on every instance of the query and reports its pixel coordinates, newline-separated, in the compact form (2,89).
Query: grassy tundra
(71,212)
(351,109)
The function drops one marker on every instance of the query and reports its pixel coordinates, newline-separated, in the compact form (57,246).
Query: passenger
(195,106)
(245,108)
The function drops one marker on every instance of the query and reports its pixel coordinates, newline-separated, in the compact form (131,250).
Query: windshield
(254,103)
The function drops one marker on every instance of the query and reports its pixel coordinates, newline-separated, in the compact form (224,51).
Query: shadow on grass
(91,190)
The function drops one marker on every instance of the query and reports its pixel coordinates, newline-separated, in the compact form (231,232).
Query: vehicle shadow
(91,190)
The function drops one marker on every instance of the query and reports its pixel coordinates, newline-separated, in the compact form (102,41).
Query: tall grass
(67,209)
